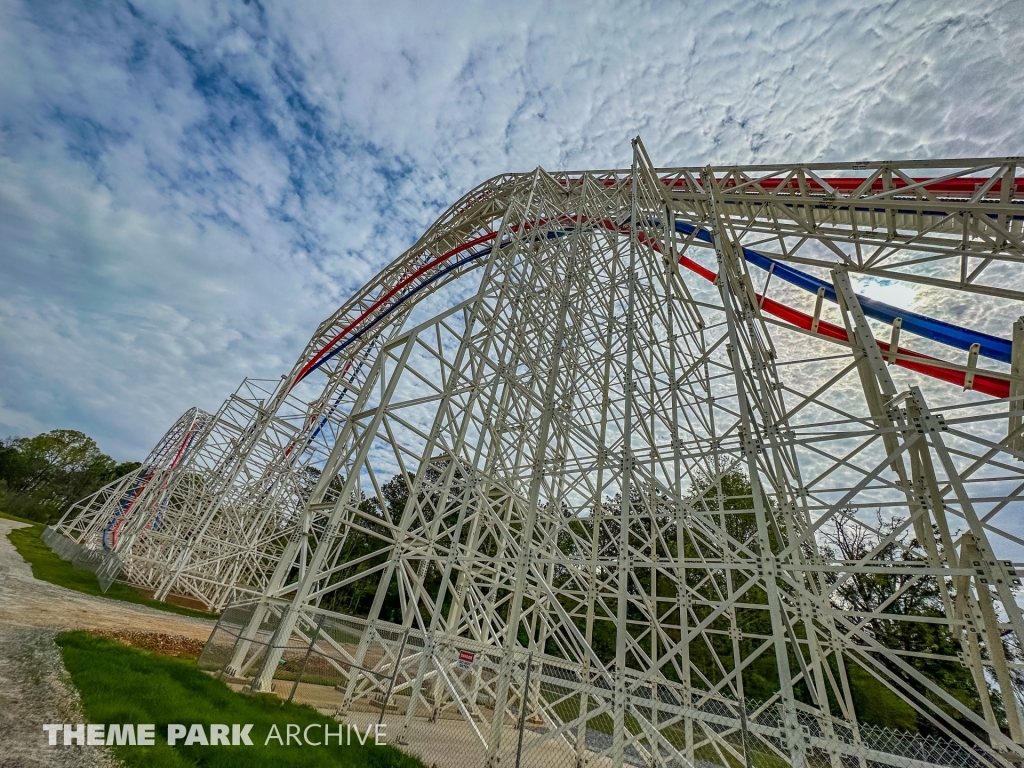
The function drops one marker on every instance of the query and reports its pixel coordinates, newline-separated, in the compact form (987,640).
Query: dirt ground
(35,689)
(27,602)
(34,686)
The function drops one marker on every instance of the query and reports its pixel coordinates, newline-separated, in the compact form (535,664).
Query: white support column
(1016,422)
(291,615)
(524,559)
(733,296)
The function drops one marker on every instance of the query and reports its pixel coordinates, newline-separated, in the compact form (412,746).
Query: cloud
(187,189)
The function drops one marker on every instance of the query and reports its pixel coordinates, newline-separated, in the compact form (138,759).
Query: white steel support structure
(567,440)
(149,527)
(98,531)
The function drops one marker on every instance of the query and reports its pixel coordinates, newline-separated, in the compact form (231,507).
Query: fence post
(522,707)
(394,676)
(309,651)
(746,732)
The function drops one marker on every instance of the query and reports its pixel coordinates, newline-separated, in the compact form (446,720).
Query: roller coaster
(653,436)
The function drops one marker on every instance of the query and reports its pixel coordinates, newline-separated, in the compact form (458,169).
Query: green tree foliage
(728,500)
(41,476)
(356,598)
(916,596)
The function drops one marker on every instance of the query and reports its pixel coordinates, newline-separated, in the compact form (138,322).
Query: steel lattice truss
(94,531)
(152,527)
(564,368)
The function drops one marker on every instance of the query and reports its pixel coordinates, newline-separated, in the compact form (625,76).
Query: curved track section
(921,325)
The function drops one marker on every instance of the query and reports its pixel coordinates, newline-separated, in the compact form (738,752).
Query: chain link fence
(454,703)
(105,564)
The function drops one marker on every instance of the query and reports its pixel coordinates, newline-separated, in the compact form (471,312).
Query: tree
(41,476)
(917,596)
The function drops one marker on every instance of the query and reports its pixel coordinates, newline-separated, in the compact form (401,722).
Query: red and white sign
(466,659)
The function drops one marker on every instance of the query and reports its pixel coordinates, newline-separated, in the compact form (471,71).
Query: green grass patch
(47,566)
(7,516)
(568,708)
(125,685)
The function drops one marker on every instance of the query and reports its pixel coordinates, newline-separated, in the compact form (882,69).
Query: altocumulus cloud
(187,189)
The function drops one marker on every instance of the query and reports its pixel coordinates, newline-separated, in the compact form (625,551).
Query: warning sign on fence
(466,659)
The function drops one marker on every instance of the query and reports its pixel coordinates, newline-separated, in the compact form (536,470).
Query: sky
(188,188)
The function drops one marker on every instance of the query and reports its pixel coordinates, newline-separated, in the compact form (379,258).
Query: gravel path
(34,686)
(35,689)
(27,602)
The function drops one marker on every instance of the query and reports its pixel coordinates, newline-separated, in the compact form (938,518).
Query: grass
(125,685)
(47,566)
(568,708)
(7,516)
